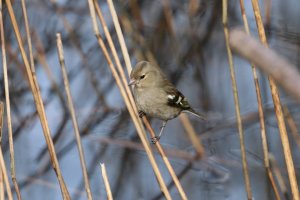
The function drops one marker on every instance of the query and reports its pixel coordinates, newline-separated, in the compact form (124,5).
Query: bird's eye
(143,76)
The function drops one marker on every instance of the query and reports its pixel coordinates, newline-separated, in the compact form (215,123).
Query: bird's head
(145,75)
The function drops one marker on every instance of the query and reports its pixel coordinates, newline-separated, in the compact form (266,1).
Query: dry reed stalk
(3,173)
(280,180)
(236,101)
(120,35)
(165,159)
(136,121)
(115,54)
(106,182)
(260,111)
(1,127)
(28,35)
(41,57)
(39,103)
(73,115)
(1,117)
(278,110)
(8,113)
(272,181)
(6,181)
(2,195)
(292,125)
(192,135)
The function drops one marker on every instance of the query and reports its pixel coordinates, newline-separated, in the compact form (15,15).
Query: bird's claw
(141,114)
(155,139)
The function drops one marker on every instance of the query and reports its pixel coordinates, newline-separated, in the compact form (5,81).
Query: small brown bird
(156,97)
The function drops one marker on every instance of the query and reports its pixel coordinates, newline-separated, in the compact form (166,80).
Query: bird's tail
(191,111)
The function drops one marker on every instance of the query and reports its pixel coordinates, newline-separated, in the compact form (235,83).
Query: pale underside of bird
(157,97)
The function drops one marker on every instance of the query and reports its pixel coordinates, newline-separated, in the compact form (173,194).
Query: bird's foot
(141,114)
(155,139)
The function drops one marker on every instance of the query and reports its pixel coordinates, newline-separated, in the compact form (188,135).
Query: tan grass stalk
(166,160)
(120,35)
(3,168)
(192,135)
(292,125)
(106,182)
(280,179)
(236,101)
(28,34)
(260,110)
(39,103)
(3,173)
(1,127)
(73,116)
(278,110)
(114,53)
(136,121)
(1,119)
(8,113)
(2,194)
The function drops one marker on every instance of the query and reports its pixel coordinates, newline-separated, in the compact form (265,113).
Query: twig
(192,135)
(1,118)
(120,36)
(39,103)
(236,102)
(278,108)
(136,121)
(281,183)
(292,125)
(106,182)
(73,116)
(260,111)
(3,172)
(274,65)
(8,113)
(1,127)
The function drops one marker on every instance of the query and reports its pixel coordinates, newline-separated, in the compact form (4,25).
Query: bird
(156,96)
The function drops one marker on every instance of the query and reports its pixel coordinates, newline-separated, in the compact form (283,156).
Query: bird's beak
(132,82)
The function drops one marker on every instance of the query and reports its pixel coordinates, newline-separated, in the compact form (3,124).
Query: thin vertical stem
(106,182)
(260,110)
(115,54)
(278,109)
(236,102)
(39,103)
(1,127)
(292,125)
(8,113)
(120,35)
(73,116)
(2,163)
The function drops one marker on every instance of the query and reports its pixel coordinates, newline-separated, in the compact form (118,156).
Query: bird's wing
(176,98)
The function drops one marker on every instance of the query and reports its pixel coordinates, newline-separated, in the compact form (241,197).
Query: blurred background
(186,39)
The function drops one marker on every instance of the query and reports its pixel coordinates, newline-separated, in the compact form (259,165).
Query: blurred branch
(274,65)
(106,182)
